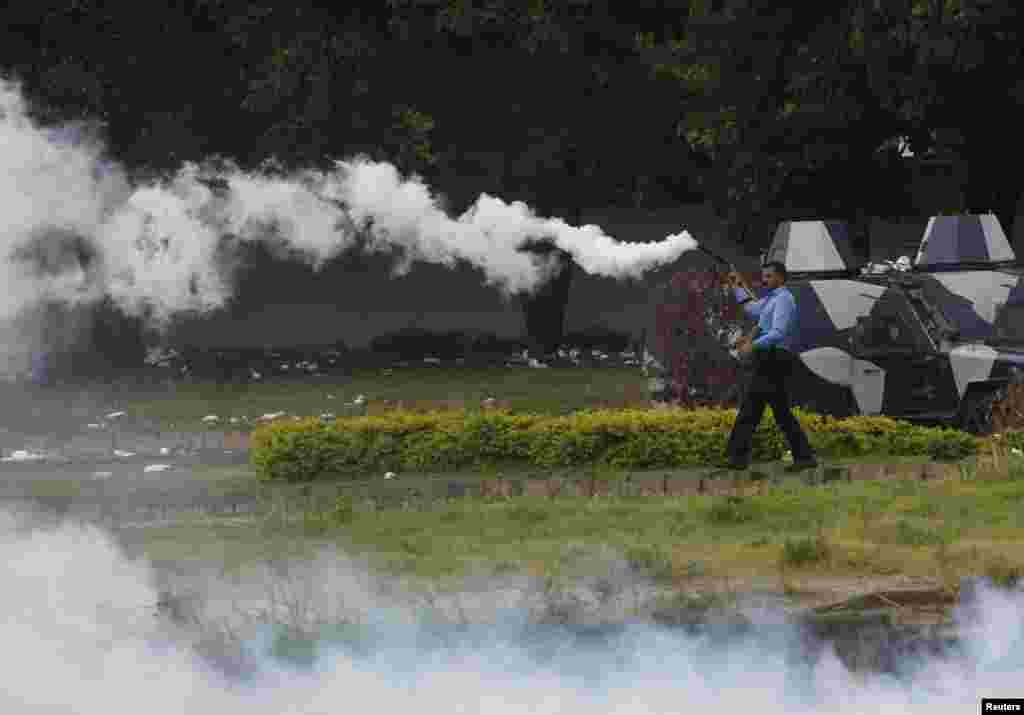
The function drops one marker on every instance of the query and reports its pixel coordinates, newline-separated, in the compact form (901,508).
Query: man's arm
(782,317)
(752,308)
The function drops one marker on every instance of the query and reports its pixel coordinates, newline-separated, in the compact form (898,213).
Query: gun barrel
(715,256)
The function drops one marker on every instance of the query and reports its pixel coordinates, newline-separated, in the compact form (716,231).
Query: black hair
(779,267)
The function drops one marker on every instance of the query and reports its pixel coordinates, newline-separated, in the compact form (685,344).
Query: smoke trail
(81,637)
(162,248)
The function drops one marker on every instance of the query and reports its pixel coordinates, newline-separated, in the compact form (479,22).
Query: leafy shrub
(303,450)
(950,445)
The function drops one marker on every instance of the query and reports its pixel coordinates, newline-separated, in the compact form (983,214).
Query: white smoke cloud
(81,637)
(159,246)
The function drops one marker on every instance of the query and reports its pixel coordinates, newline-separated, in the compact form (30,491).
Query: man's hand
(745,346)
(737,280)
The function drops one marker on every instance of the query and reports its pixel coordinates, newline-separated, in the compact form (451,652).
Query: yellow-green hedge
(303,450)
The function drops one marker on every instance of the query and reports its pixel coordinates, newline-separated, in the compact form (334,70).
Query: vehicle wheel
(976,410)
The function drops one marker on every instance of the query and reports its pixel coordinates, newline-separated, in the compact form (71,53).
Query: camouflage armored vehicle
(937,339)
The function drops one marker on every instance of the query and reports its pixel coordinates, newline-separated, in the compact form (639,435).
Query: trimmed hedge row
(304,450)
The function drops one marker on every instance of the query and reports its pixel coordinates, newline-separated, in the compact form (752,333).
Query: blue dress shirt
(776,318)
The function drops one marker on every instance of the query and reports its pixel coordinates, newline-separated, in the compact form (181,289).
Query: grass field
(808,542)
(811,543)
(550,390)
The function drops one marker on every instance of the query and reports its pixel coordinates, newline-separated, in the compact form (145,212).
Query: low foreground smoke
(82,636)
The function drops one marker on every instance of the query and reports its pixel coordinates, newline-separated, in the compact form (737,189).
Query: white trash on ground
(23,455)
(156,468)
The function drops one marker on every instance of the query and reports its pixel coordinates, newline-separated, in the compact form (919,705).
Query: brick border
(749,483)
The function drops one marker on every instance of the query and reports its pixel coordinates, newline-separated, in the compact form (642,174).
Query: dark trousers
(769,385)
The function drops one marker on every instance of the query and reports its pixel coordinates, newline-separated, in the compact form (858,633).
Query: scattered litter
(327,416)
(330,397)
(156,467)
(389,475)
(102,475)
(93,425)
(272,416)
(165,451)
(122,453)
(1016,451)
(360,399)
(23,455)
(211,418)
(234,420)
(115,415)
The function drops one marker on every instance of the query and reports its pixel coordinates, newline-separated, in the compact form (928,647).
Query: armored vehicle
(936,339)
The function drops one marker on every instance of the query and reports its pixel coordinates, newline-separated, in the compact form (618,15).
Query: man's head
(773,274)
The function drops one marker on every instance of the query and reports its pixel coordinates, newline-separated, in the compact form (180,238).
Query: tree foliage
(765,110)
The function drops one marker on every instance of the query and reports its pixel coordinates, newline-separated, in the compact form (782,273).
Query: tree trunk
(545,310)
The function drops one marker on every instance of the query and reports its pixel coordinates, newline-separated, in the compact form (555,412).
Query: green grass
(805,550)
(865,527)
(549,391)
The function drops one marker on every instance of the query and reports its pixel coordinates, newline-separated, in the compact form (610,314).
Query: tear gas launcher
(716,257)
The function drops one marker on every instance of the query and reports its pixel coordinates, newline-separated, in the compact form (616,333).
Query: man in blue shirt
(771,354)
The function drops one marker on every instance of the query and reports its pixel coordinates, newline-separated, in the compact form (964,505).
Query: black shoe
(801,466)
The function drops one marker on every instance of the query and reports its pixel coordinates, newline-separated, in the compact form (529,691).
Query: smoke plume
(83,635)
(76,229)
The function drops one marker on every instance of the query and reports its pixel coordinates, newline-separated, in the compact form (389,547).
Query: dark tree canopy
(764,110)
